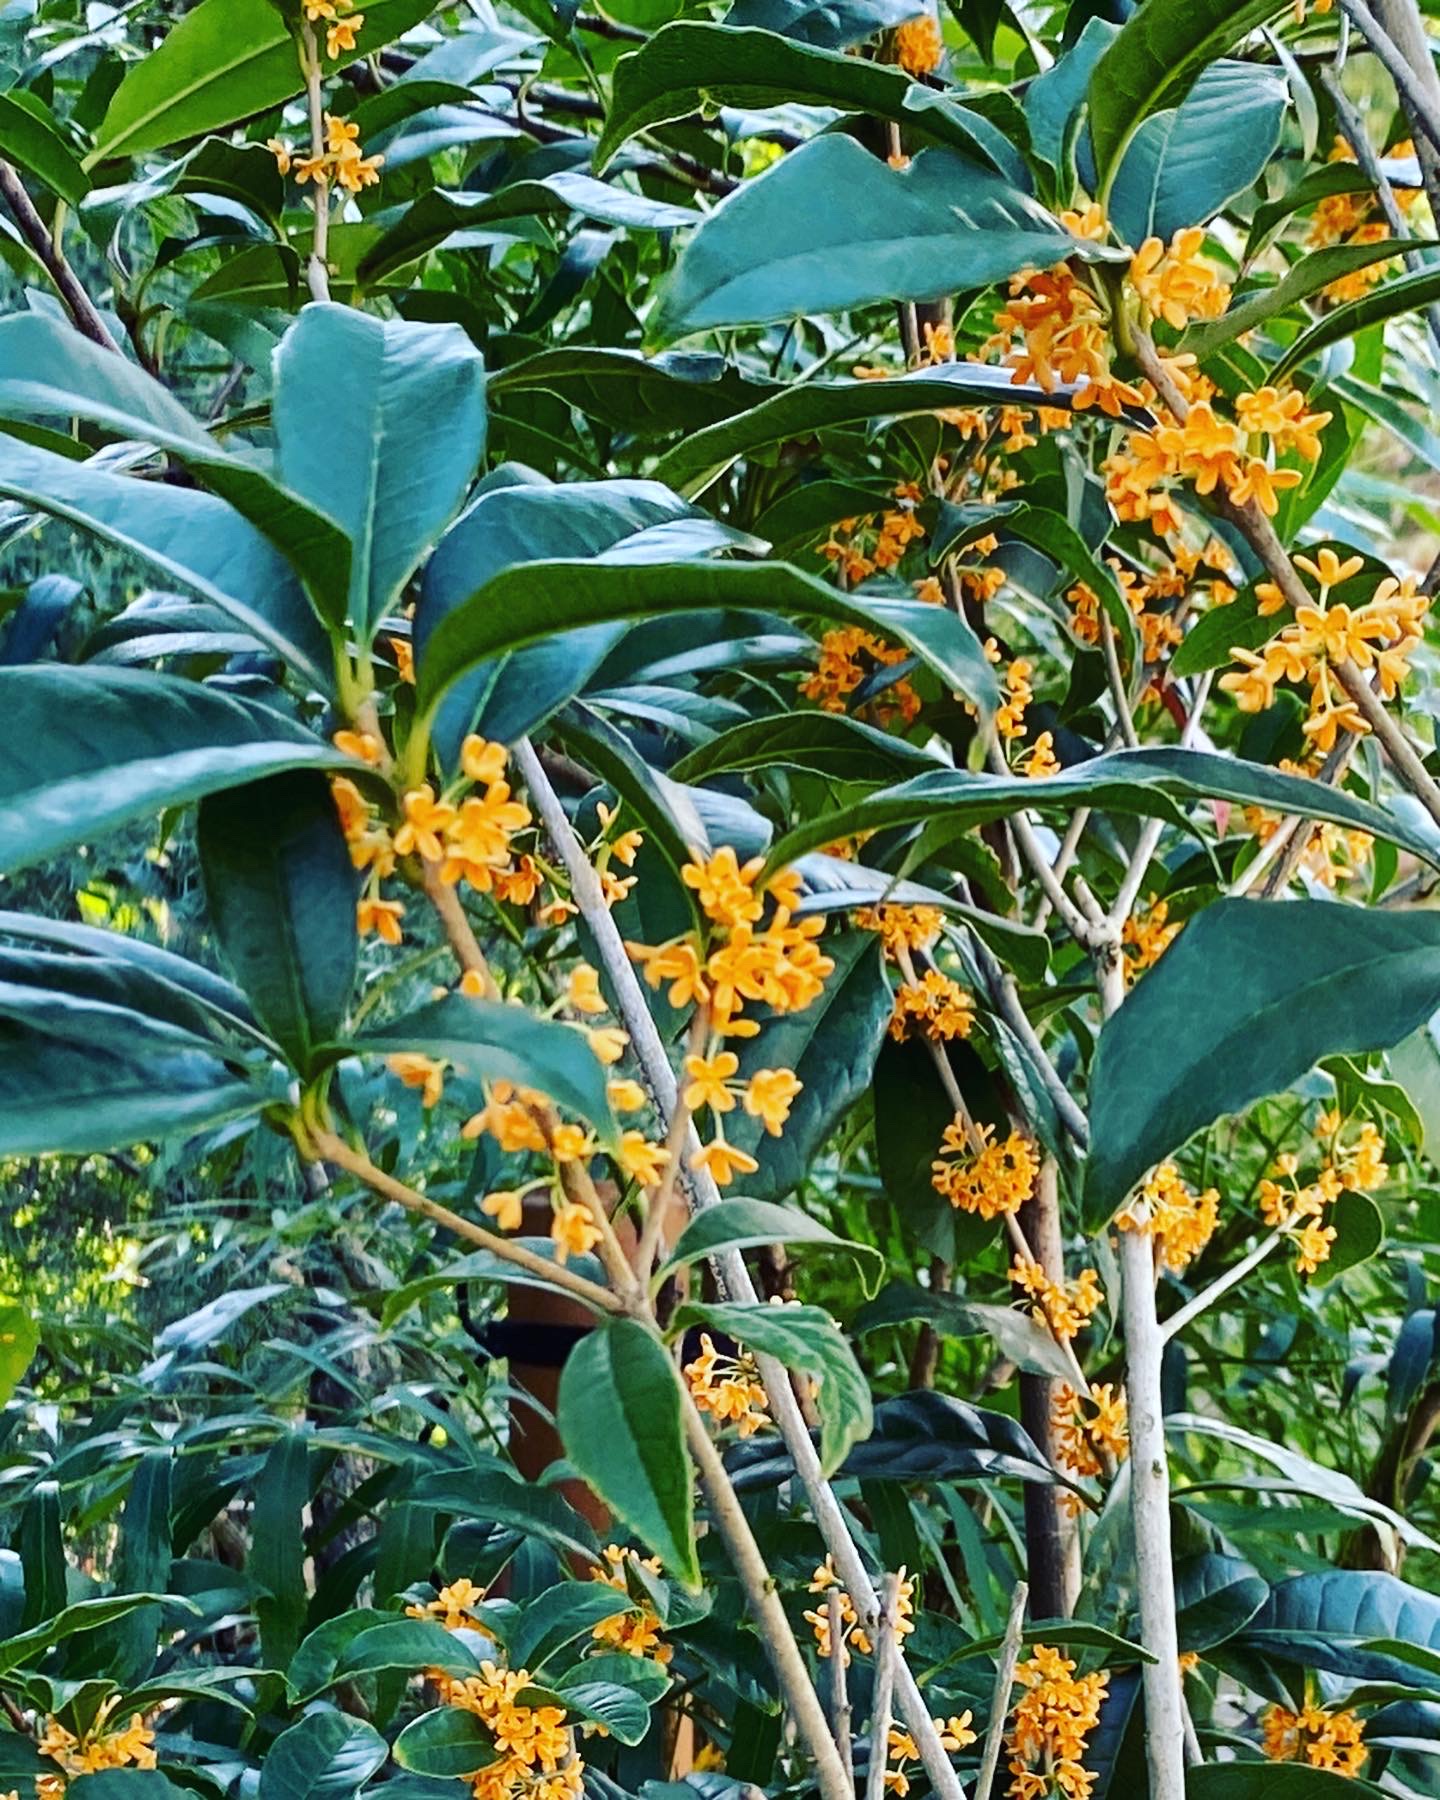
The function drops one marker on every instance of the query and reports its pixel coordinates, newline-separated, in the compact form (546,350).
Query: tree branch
(78,304)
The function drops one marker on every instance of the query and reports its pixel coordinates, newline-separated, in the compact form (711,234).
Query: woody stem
(765,1607)
(729,1265)
(317,272)
(330,1148)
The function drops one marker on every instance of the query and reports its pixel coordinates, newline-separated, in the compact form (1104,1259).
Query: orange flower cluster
(1321,1739)
(1145,937)
(935,1006)
(1063,1308)
(1089,1429)
(636,1633)
(859,547)
(1177,284)
(1010,715)
(1063,337)
(131,1747)
(954,1734)
(728,1388)
(341,22)
(537,1759)
(737,962)
(1050,1726)
(1355,219)
(454,1607)
(1180,1221)
(996,1178)
(1381,634)
(1299,1209)
(341,162)
(1159,632)
(848,656)
(470,835)
(918,44)
(852,1631)
(902,928)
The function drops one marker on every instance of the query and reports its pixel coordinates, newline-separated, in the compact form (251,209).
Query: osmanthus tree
(718,779)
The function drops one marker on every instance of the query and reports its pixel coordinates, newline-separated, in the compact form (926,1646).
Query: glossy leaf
(800,1337)
(446,1743)
(30,138)
(1247,999)
(326,1756)
(748,1224)
(832,226)
(380,425)
(1016,1336)
(1183,167)
(135,742)
(225,60)
(1391,300)
(281,892)
(494,1042)
(692,60)
(619,1420)
(1152,782)
(530,602)
(1154,62)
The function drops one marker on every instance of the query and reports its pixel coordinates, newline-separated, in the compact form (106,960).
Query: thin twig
(1004,1681)
(839,1687)
(1418,103)
(884,1691)
(831,1774)
(333,1149)
(1123,717)
(78,304)
(1028,844)
(1207,1297)
(317,268)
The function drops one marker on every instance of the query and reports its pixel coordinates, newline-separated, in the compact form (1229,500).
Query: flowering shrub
(718,1054)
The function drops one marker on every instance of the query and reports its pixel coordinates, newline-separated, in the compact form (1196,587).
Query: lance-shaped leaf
(693,62)
(1016,1335)
(1245,1000)
(1329,1619)
(197,540)
(281,890)
(813,406)
(619,1419)
(832,227)
(1154,62)
(1152,782)
(48,370)
(1391,300)
(679,390)
(747,1224)
(526,521)
(30,137)
(496,1042)
(445,1744)
(133,743)
(1264,1781)
(225,60)
(1301,281)
(380,425)
(533,601)
(801,1337)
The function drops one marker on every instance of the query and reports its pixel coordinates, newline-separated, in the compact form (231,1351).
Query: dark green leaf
(277,1551)
(404,1644)
(747,1224)
(495,1042)
(381,425)
(30,137)
(225,60)
(1016,1335)
(134,742)
(1147,781)
(801,1337)
(821,743)
(1154,62)
(620,1424)
(831,227)
(534,601)
(281,893)
(1247,999)
(1407,293)
(1328,1620)
(1266,1781)
(522,1506)
(449,1742)
(552,1621)
(1183,167)
(326,1756)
